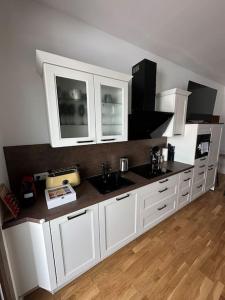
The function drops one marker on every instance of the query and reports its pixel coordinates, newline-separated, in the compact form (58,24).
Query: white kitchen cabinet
(30,255)
(185,186)
(75,239)
(111,109)
(86,104)
(70,103)
(216,134)
(175,101)
(210,176)
(213,157)
(157,201)
(119,222)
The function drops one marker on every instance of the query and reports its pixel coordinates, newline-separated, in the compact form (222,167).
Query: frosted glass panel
(72,103)
(112,110)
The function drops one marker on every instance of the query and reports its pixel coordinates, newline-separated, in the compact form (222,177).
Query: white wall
(33,26)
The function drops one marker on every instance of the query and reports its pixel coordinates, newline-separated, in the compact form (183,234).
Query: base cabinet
(211,176)
(75,239)
(119,219)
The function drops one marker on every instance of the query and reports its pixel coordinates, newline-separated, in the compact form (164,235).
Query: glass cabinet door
(70,98)
(111,97)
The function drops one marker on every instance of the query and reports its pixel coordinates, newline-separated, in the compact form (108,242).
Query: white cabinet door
(119,221)
(216,132)
(70,104)
(111,98)
(174,100)
(75,239)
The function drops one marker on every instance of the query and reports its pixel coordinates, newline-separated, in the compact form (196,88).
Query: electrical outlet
(40,176)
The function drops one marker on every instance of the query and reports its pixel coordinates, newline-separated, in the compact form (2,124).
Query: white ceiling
(190,33)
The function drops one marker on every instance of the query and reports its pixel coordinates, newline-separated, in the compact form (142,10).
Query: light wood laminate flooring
(181,258)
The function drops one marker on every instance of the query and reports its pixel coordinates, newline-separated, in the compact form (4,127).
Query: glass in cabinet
(70,101)
(111,98)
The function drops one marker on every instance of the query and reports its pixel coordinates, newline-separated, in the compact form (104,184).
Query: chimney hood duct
(144,121)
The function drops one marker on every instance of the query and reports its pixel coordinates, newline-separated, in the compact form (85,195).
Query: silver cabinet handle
(121,198)
(185,194)
(164,181)
(211,166)
(187,179)
(76,216)
(88,141)
(163,190)
(202,159)
(202,166)
(107,140)
(210,169)
(198,187)
(186,172)
(160,208)
(201,173)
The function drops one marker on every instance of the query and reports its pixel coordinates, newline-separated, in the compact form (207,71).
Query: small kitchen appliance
(123,164)
(27,192)
(63,176)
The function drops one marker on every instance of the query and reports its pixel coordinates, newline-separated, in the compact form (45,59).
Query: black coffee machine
(156,158)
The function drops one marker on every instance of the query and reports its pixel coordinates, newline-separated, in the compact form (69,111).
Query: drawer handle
(210,169)
(210,166)
(185,194)
(186,172)
(164,181)
(121,198)
(202,159)
(107,140)
(201,173)
(198,187)
(163,190)
(88,141)
(202,166)
(187,179)
(164,206)
(76,216)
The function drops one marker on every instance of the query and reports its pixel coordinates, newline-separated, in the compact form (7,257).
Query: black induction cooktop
(148,172)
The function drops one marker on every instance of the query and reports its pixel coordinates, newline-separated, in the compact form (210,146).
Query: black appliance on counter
(202,145)
(201,103)
(144,121)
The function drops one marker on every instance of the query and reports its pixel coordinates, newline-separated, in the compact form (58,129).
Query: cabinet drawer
(199,174)
(187,174)
(158,212)
(200,161)
(184,197)
(151,197)
(159,190)
(186,183)
(198,189)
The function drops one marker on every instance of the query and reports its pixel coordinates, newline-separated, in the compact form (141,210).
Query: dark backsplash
(31,159)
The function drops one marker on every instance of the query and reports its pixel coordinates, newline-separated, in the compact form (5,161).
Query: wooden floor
(181,258)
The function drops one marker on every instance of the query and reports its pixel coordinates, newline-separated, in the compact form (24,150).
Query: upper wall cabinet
(175,101)
(86,104)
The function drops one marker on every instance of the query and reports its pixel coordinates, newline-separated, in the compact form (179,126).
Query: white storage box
(60,195)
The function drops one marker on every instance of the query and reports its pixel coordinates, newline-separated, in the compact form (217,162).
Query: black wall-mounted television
(201,102)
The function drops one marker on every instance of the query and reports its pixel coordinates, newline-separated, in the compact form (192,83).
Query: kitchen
(39,226)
